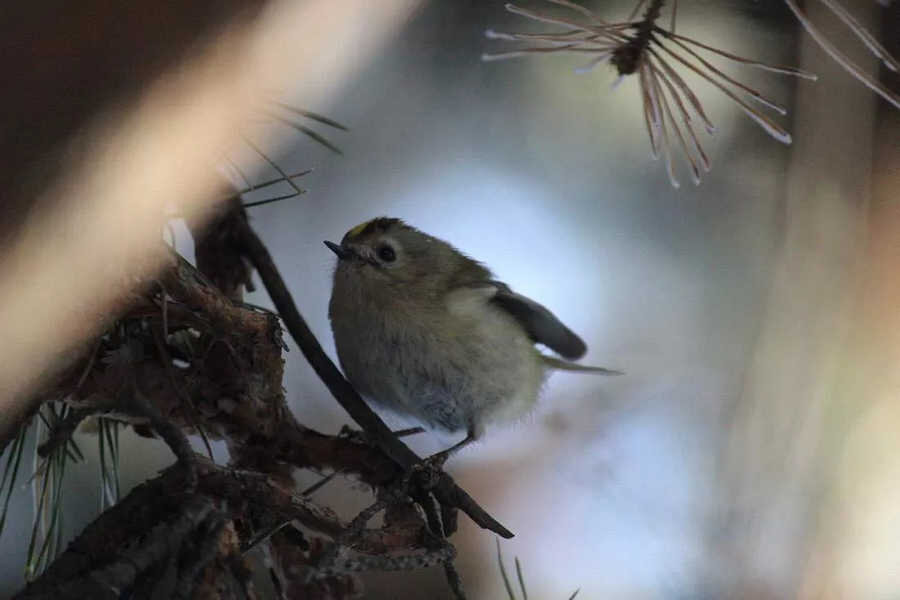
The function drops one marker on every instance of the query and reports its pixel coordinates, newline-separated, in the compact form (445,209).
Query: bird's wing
(539,323)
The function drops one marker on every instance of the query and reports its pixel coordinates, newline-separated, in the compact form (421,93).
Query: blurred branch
(97,140)
(779,431)
(65,79)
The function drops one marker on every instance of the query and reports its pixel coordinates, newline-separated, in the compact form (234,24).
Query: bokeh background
(750,449)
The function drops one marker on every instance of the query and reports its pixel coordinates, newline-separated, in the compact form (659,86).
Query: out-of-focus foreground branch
(85,196)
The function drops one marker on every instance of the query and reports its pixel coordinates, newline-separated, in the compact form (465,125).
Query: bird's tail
(562,365)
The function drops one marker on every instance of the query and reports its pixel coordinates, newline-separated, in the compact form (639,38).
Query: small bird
(425,331)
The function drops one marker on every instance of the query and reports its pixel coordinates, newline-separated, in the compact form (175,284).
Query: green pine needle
(503,574)
(521,579)
(311,115)
(509,588)
(306,131)
(47,530)
(74,449)
(108,442)
(11,472)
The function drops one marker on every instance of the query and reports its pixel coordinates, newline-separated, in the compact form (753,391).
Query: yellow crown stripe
(358,229)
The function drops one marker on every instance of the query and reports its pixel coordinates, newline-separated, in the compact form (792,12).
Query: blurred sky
(546,177)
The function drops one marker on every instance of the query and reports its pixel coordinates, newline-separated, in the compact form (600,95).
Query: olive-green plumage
(426,331)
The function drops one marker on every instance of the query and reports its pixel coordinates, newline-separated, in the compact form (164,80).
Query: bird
(425,331)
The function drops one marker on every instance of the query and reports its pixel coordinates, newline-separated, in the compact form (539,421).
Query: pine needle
(521,579)
(305,131)
(31,560)
(11,471)
(503,574)
(108,445)
(640,47)
(47,529)
(311,115)
(842,59)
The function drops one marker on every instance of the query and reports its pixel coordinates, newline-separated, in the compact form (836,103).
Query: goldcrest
(425,331)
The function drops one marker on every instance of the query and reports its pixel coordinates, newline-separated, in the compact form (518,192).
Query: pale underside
(458,365)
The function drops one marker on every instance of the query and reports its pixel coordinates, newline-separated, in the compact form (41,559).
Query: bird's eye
(386,253)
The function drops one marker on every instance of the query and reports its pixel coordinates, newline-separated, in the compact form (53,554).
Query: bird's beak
(342,253)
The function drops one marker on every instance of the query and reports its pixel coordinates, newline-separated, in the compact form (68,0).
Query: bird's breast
(452,363)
